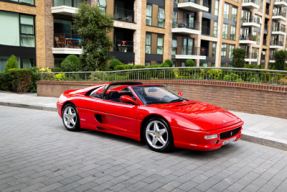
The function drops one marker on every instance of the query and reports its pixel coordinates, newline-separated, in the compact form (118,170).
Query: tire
(71,118)
(158,135)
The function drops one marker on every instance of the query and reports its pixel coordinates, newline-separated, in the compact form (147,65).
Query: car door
(117,116)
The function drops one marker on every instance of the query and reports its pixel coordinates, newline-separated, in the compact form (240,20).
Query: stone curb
(262,140)
(28,106)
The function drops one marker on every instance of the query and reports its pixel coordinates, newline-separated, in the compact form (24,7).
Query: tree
(238,57)
(71,63)
(12,63)
(93,26)
(189,63)
(280,58)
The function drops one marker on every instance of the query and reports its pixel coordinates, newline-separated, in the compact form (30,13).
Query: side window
(98,92)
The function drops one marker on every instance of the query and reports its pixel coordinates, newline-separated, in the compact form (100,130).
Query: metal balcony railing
(252,1)
(124,14)
(251,55)
(67,40)
(248,37)
(124,46)
(250,20)
(285,1)
(70,3)
(188,50)
(282,29)
(279,14)
(276,43)
(199,2)
(186,23)
(205,30)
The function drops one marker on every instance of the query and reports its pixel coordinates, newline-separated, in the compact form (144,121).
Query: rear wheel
(158,135)
(71,118)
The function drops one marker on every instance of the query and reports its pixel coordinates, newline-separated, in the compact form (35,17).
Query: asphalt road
(38,154)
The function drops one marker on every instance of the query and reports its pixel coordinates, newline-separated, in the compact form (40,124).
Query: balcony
(250,22)
(264,42)
(279,31)
(267,11)
(124,46)
(186,26)
(245,39)
(193,5)
(205,30)
(67,44)
(251,57)
(276,45)
(271,59)
(250,4)
(280,3)
(279,16)
(192,53)
(65,7)
(124,15)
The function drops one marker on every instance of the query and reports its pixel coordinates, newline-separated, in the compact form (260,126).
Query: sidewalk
(265,130)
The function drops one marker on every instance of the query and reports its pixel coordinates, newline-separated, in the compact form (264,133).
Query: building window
(26,2)
(226,11)
(148,43)
(223,65)
(103,5)
(223,50)
(159,44)
(215,29)
(213,49)
(174,46)
(149,15)
(28,63)
(175,20)
(216,7)
(27,31)
(147,63)
(224,31)
(232,32)
(17,29)
(161,17)
(205,64)
(234,13)
(187,46)
(231,47)
(183,64)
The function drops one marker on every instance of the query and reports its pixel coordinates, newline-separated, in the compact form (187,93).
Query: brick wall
(249,98)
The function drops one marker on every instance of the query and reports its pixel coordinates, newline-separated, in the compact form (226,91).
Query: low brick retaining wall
(244,97)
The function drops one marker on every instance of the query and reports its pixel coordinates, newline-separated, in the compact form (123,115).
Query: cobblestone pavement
(38,154)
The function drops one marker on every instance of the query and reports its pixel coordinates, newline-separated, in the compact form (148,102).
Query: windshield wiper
(155,102)
(176,100)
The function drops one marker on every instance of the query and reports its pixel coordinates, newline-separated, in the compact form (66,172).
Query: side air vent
(99,118)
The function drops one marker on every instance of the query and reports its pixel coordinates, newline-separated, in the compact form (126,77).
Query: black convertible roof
(126,83)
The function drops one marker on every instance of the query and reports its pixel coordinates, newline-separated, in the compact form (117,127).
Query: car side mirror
(128,99)
(180,94)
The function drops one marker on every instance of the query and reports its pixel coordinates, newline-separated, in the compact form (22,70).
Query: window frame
(160,35)
(150,15)
(149,43)
(230,55)
(223,55)
(226,13)
(223,30)
(160,19)
(17,2)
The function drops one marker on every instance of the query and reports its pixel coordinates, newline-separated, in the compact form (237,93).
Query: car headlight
(211,136)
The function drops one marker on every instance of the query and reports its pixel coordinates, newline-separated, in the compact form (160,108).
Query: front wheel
(71,118)
(158,135)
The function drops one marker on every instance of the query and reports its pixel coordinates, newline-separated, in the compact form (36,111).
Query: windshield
(156,95)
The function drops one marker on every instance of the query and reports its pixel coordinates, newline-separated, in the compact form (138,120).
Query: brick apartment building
(147,32)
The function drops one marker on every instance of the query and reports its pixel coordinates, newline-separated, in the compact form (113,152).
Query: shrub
(165,65)
(71,63)
(5,80)
(21,80)
(214,73)
(139,66)
(238,57)
(35,77)
(61,77)
(56,69)
(12,63)
(98,76)
(47,76)
(169,62)
(114,63)
(189,63)
(280,58)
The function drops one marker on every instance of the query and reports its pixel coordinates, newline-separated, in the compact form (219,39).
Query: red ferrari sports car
(150,113)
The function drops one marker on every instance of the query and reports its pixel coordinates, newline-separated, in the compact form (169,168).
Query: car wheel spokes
(70,117)
(156,134)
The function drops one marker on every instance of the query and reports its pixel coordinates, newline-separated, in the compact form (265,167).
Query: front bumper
(190,139)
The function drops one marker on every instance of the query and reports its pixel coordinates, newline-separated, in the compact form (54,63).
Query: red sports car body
(151,113)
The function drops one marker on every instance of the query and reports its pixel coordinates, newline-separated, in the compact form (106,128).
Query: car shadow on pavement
(226,149)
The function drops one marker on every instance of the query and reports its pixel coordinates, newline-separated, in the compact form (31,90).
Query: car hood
(207,116)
